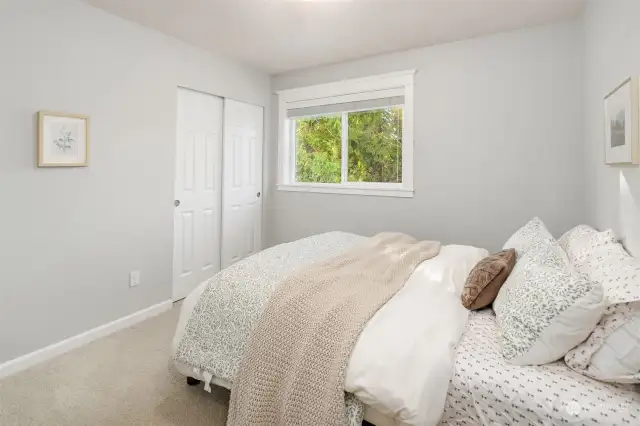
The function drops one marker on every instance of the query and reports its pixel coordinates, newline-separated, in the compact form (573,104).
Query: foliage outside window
(372,142)
(319,149)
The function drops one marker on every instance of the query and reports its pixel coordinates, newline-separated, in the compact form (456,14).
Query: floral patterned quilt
(218,330)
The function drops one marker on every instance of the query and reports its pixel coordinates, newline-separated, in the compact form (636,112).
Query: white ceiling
(282,35)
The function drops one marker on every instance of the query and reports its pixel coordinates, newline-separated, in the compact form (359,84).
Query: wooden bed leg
(193,382)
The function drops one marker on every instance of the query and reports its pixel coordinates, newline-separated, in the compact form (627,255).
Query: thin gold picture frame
(41,160)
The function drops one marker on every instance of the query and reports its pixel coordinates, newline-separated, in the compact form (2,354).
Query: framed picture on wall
(621,121)
(63,140)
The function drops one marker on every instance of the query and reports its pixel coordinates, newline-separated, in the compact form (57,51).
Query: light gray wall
(498,139)
(612,42)
(69,237)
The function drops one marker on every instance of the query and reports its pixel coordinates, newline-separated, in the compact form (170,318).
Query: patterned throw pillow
(612,351)
(486,278)
(545,308)
(529,236)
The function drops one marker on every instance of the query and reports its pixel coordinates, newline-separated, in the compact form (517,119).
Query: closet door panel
(242,181)
(198,191)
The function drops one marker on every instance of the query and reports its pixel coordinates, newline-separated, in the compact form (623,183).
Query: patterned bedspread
(218,330)
(486,390)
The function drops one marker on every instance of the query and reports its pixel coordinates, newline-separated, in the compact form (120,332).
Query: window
(350,137)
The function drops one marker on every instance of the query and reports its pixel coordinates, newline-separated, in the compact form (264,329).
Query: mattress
(486,390)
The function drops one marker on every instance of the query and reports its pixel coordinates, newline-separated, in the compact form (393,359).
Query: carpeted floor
(124,379)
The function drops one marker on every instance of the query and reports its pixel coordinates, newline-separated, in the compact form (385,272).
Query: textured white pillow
(545,308)
(530,235)
(612,351)
(618,359)
(576,240)
(581,241)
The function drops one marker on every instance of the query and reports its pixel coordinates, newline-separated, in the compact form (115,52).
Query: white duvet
(402,362)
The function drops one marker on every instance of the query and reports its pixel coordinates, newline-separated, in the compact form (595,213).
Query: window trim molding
(335,92)
(379,190)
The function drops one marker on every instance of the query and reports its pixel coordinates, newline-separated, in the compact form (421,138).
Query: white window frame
(378,86)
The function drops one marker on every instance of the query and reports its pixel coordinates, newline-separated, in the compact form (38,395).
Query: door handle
(176,203)
(258,195)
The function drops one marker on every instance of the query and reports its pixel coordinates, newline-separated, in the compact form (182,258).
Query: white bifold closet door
(242,181)
(198,190)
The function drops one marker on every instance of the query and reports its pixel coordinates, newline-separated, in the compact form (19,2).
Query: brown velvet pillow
(486,278)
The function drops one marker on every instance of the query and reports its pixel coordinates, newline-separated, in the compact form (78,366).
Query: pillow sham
(612,351)
(580,242)
(545,308)
(530,235)
(576,239)
(618,359)
(486,278)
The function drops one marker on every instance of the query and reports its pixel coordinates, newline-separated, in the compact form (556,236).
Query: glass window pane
(375,145)
(319,149)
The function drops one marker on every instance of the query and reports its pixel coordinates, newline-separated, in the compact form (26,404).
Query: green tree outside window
(374,146)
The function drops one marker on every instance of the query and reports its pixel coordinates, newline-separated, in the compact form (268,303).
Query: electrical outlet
(134,278)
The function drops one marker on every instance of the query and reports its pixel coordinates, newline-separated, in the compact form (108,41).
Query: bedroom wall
(69,237)
(611,40)
(498,139)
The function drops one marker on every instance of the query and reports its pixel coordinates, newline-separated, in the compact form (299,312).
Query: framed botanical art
(621,124)
(63,140)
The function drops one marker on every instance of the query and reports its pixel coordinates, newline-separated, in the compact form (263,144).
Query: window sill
(370,190)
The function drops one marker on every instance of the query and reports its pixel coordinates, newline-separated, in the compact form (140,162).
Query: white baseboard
(29,360)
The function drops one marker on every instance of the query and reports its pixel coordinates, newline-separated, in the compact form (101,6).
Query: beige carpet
(124,379)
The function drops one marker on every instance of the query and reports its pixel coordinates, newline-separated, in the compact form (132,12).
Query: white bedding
(402,363)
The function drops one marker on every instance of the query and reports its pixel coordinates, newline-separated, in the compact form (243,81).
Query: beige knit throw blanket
(293,370)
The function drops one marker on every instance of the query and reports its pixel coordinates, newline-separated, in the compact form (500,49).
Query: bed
(445,367)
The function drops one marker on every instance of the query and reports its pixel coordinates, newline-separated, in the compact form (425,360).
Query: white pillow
(545,308)
(612,351)
(576,240)
(580,242)
(618,359)
(529,236)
